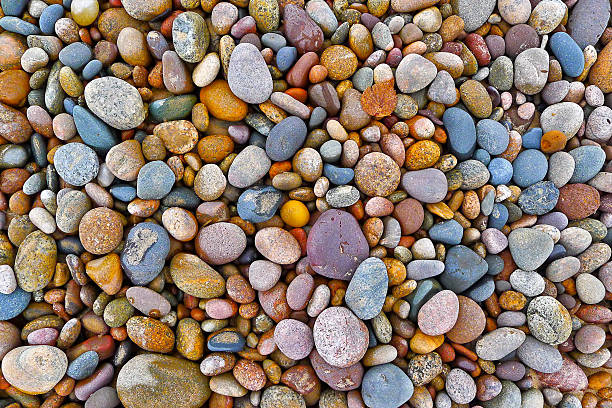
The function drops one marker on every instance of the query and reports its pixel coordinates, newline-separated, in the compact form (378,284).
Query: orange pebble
(118,333)
(198,314)
(300,235)
(279,167)
(553,141)
(298,93)
(317,74)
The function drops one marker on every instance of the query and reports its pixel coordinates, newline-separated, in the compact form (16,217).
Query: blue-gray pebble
(501,171)
(17,25)
(76,163)
(92,69)
(75,55)
(539,198)
(461,132)
(48,17)
(95,133)
(259,204)
(481,290)
(155,180)
(385,386)
(492,136)
(13,304)
(589,160)
(462,268)
(145,251)
(568,53)
(366,291)
(530,166)
(123,192)
(285,58)
(83,366)
(448,232)
(532,138)
(498,217)
(338,175)
(286,138)
(13,7)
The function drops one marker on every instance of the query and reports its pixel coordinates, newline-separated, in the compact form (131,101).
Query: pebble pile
(302,203)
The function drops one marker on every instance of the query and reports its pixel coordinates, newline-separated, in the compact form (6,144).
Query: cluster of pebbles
(282,204)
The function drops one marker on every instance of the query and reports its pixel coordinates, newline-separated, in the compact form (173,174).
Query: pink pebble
(47,336)
(220,308)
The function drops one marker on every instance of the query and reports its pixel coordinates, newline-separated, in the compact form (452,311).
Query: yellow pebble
(441,209)
(295,213)
(84,12)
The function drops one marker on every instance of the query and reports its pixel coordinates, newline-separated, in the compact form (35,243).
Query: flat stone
(248,75)
(366,291)
(386,386)
(529,247)
(548,320)
(76,163)
(34,369)
(463,267)
(498,343)
(414,73)
(340,337)
(439,314)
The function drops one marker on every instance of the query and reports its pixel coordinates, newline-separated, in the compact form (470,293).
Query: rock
(539,198)
(252,85)
(473,13)
(14,125)
(76,163)
(171,380)
(492,136)
(463,267)
(150,334)
(365,294)
(500,342)
(531,71)
(146,10)
(578,201)
(340,379)
(442,89)
(293,338)
(75,55)
(285,138)
(566,117)
(529,167)
(588,161)
(569,378)
(414,73)
(259,204)
(35,261)
(195,277)
(568,53)
(220,243)
(587,21)
(540,356)
(340,337)
(427,185)
(447,232)
(385,386)
(248,167)
(509,396)
(598,75)
(115,102)
(278,396)
(547,15)
(529,247)
(336,246)
(590,289)
(439,314)
(461,132)
(470,322)
(155,180)
(34,369)
(13,304)
(95,133)
(277,245)
(460,386)
(514,12)
(83,366)
(190,36)
(144,253)
(548,320)
(147,301)
(377,175)
(300,30)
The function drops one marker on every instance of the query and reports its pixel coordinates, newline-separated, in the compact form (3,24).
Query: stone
(171,381)
(529,247)
(34,369)
(116,102)
(414,73)
(385,386)
(190,36)
(498,343)
(252,84)
(293,338)
(439,314)
(196,277)
(340,337)
(336,246)
(366,291)
(531,71)
(461,132)
(427,185)
(285,138)
(35,261)
(248,167)
(548,320)
(463,267)
(587,21)
(144,253)
(76,163)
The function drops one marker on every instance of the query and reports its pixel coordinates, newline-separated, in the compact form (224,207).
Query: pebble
(115,102)
(34,369)
(336,246)
(170,380)
(76,163)
(428,185)
(463,267)
(248,167)
(285,138)
(414,73)
(386,385)
(144,253)
(529,247)
(252,85)
(365,292)
(340,337)
(461,132)
(548,320)
(460,386)
(220,243)
(293,338)
(155,180)
(568,53)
